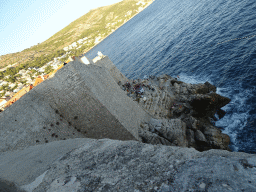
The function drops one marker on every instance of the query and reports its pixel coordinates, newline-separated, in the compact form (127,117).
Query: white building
(74,44)
(16,90)
(4,83)
(12,85)
(129,12)
(97,40)
(79,46)
(7,93)
(65,48)
(80,41)
(41,70)
(140,2)
(140,9)
(3,103)
(22,71)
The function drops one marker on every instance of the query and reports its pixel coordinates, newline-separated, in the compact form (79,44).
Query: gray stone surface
(114,71)
(112,165)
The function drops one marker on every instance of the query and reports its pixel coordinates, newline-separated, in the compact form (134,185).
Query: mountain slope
(97,22)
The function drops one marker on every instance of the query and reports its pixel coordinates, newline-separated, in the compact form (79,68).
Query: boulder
(207,105)
(221,113)
(190,137)
(216,139)
(199,136)
(153,138)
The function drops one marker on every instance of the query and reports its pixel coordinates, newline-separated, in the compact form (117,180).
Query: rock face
(112,165)
(189,109)
(160,136)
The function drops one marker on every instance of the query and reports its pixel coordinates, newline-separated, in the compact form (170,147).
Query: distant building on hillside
(65,49)
(74,44)
(80,41)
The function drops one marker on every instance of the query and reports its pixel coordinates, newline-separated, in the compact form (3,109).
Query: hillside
(98,22)
(76,38)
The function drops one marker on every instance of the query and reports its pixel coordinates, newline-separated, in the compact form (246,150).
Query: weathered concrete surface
(79,101)
(114,71)
(112,165)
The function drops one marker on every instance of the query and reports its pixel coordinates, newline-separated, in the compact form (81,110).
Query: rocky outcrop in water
(182,113)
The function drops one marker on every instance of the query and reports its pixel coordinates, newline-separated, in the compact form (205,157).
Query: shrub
(48,69)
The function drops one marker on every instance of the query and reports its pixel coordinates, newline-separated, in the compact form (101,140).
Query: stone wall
(114,71)
(80,98)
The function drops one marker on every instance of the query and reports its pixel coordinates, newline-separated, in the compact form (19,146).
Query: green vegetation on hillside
(48,69)
(97,22)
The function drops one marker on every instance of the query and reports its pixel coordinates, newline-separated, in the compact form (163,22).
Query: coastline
(118,28)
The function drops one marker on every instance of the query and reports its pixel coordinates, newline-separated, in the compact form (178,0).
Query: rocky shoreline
(182,113)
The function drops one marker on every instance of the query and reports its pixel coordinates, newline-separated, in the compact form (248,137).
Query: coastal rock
(195,105)
(190,137)
(158,101)
(153,138)
(216,139)
(199,136)
(207,105)
(174,131)
(221,113)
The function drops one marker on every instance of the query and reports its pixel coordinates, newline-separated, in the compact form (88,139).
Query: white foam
(237,112)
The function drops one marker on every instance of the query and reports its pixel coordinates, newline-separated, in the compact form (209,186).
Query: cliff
(89,128)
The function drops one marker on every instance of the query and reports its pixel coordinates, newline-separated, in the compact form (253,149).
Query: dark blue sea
(200,41)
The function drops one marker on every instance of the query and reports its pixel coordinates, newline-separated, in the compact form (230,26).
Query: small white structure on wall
(100,54)
(99,57)
(86,60)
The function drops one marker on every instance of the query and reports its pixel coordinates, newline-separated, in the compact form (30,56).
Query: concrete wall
(79,101)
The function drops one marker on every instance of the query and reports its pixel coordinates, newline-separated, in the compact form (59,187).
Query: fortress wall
(22,124)
(104,88)
(114,71)
(87,91)
(74,100)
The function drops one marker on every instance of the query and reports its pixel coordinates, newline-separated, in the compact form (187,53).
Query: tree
(1,75)
(11,79)
(38,73)
(48,69)
(33,71)
(16,85)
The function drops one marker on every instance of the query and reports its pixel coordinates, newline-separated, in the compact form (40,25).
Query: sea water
(199,41)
